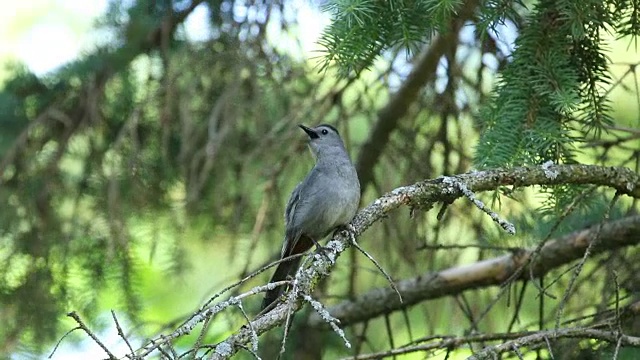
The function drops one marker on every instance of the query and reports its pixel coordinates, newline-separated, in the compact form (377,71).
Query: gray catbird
(326,199)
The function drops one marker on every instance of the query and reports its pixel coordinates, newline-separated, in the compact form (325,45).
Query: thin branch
(375,262)
(122,335)
(569,290)
(205,314)
(490,272)
(511,341)
(62,338)
(505,225)
(84,327)
(541,336)
(254,342)
(324,314)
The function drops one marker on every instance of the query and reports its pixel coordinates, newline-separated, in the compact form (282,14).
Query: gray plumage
(327,198)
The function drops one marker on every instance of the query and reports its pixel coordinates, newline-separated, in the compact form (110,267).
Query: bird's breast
(328,200)
(343,199)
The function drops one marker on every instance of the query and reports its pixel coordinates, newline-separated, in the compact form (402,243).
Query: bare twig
(510,342)
(247,278)
(324,314)
(122,335)
(587,252)
(375,262)
(204,314)
(254,341)
(460,186)
(618,320)
(436,247)
(82,326)
(540,336)
(62,338)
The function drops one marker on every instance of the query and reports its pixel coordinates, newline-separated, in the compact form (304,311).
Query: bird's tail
(284,269)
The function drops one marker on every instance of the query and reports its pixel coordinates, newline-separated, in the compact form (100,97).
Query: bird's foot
(323,250)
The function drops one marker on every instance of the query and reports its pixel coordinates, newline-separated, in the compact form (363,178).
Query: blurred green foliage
(152,171)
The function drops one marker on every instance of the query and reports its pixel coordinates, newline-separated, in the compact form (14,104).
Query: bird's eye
(325,131)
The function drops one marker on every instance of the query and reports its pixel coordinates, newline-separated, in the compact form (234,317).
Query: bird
(326,199)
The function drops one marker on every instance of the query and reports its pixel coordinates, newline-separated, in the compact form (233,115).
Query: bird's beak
(312,133)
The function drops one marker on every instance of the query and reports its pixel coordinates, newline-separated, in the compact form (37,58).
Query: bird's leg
(321,249)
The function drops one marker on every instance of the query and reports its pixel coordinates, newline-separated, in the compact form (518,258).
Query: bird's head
(324,140)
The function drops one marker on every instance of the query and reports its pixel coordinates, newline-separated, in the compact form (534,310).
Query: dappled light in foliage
(144,183)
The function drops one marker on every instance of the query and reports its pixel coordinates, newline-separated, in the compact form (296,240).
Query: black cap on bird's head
(324,140)
(316,132)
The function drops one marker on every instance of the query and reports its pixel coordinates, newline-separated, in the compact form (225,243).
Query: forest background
(147,149)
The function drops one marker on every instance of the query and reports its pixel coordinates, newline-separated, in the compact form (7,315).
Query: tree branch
(491,272)
(424,195)
(518,339)
(540,336)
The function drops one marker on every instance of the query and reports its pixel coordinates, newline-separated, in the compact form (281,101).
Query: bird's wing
(289,212)
(304,199)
